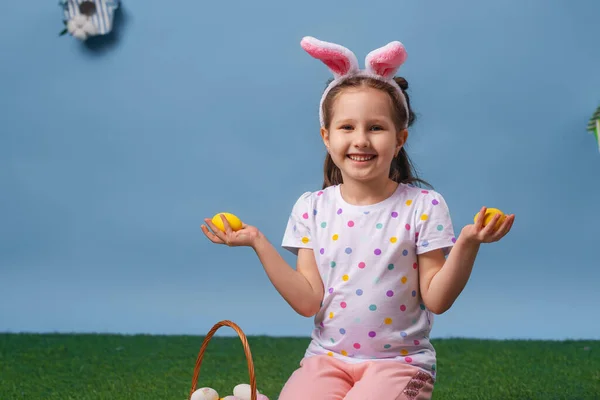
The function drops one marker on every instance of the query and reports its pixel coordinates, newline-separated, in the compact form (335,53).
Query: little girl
(373,250)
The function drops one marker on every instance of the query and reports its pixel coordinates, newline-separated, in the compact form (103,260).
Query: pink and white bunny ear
(386,60)
(338,59)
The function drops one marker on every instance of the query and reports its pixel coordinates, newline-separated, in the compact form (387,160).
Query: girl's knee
(317,378)
(392,381)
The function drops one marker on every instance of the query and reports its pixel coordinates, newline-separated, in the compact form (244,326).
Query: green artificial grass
(63,367)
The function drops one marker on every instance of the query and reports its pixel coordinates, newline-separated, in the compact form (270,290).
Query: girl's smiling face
(362,138)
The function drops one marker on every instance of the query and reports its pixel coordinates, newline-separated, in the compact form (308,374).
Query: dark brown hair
(402,169)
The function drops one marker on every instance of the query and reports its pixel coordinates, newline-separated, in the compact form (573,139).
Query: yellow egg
(233,221)
(489,214)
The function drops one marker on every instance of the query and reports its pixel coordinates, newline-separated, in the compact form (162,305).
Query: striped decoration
(103,18)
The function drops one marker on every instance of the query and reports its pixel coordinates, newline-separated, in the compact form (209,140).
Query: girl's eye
(346,127)
(376,128)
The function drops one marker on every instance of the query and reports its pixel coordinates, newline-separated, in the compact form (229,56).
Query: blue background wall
(111,156)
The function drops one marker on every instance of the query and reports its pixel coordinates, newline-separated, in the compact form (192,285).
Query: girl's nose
(361,138)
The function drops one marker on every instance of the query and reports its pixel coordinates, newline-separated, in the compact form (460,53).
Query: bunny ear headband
(380,64)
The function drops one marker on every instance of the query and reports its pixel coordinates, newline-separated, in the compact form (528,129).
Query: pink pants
(326,378)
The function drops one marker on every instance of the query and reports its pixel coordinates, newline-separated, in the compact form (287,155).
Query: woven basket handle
(244,340)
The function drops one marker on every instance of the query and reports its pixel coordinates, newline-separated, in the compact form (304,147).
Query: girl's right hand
(246,236)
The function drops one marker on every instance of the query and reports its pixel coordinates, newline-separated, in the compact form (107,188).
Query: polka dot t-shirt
(367,258)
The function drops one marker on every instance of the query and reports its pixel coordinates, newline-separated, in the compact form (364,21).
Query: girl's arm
(301,288)
(442,280)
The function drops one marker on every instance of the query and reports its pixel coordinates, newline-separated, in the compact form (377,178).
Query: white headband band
(381,64)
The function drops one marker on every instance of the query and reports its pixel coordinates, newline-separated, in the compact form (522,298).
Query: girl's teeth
(361,158)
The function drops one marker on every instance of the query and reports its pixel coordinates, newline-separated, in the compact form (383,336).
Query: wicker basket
(246,350)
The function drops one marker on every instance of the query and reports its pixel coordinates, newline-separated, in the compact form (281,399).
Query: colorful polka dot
(357,346)
(344,352)
(424,191)
(425,243)
(440,227)
(416,342)
(330,290)
(345,278)
(305,215)
(339,211)
(377,252)
(408,202)
(389,293)
(376,280)
(330,315)
(342,331)
(394,214)
(415,265)
(322,251)
(323,224)
(333,264)
(407,227)
(348,250)
(387,346)
(408,359)
(387,321)
(435,202)
(433,367)
(320,193)
(332,340)
(372,307)
(361,265)
(414,293)
(404,352)
(402,307)
(335,237)
(315,212)
(453,240)
(404,279)
(305,240)
(359,292)
(422,306)
(343,304)
(405,252)
(424,217)
(393,239)
(403,334)
(330,354)
(350,224)
(391,267)
(372,334)
(379,225)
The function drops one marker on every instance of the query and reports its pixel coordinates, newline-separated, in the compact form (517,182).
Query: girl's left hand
(479,233)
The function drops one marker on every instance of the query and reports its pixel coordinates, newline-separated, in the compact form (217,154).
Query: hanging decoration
(86,18)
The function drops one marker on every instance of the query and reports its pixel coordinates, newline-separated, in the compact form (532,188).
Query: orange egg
(233,221)
(489,214)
